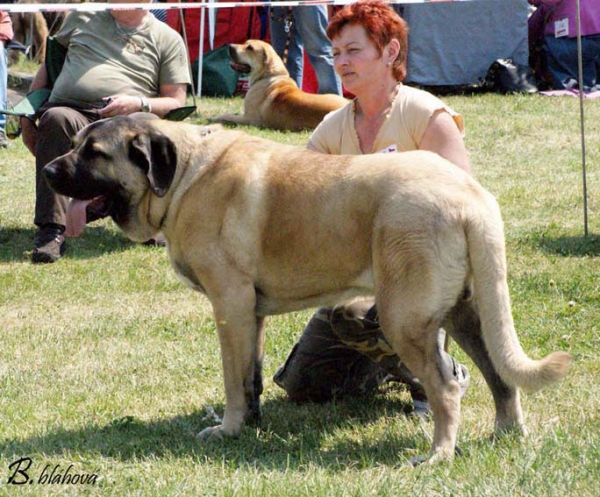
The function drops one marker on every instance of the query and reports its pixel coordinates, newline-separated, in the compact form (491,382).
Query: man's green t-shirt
(106,58)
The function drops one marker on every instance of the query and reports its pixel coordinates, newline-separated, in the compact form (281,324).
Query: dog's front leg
(230,119)
(253,385)
(241,339)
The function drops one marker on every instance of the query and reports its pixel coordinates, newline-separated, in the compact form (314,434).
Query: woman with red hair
(370,46)
(342,350)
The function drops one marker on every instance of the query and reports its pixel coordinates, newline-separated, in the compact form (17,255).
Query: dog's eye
(102,154)
(250,48)
(99,153)
(92,150)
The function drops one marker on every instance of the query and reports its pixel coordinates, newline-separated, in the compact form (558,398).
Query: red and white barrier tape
(98,7)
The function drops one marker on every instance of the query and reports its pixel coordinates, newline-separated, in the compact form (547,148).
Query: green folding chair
(55,58)
(28,106)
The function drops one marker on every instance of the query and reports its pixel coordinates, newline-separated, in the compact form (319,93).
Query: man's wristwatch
(146,107)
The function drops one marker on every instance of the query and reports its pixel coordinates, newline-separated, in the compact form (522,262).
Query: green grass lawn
(109,364)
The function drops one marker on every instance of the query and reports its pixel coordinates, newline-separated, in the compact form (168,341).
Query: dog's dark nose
(232,51)
(50,171)
(54,172)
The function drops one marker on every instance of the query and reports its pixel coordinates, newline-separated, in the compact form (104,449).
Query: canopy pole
(581,119)
(201,50)
(187,50)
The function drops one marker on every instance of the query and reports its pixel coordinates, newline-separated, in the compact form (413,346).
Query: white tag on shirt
(388,150)
(561,28)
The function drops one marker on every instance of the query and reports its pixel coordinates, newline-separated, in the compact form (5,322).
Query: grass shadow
(290,435)
(566,246)
(16,244)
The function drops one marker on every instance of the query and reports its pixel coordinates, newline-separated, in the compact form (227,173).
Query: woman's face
(358,62)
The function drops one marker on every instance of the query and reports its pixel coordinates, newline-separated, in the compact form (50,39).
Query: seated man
(118,62)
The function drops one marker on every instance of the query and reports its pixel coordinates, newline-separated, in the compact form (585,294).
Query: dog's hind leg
(412,297)
(413,334)
(241,339)
(463,325)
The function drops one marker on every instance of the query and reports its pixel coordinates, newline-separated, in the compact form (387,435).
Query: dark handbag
(504,76)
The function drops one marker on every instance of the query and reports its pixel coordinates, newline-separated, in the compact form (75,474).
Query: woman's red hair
(382,25)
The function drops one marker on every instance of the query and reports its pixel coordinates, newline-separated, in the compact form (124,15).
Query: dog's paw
(224,119)
(518,429)
(435,457)
(432,459)
(210,434)
(415,461)
(230,120)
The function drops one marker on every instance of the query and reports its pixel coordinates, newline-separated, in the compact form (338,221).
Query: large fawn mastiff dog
(274,99)
(263,228)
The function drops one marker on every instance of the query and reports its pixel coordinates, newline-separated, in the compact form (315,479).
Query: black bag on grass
(504,76)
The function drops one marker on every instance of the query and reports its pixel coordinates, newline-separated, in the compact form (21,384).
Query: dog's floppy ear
(156,155)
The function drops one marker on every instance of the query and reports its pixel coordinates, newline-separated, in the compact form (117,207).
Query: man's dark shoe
(49,244)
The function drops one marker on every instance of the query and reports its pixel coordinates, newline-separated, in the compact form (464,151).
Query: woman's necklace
(383,113)
(367,128)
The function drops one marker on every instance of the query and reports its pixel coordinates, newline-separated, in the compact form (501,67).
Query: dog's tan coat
(263,228)
(273,99)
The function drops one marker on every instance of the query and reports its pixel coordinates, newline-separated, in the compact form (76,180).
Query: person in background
(160,14)
(556,21)
(342,351)
(297,28)
(6,34)
(118,62)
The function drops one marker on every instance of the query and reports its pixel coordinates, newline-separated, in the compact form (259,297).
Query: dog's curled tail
(550,369)
(485,238)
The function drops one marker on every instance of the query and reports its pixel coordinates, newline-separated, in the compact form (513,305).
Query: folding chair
(15,45)
(55,59)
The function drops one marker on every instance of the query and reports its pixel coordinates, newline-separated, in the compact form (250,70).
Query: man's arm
(40,80)
(29,135)
(171,97)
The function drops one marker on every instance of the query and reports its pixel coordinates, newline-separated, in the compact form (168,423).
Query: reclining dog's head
(117,163)
(257,58)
